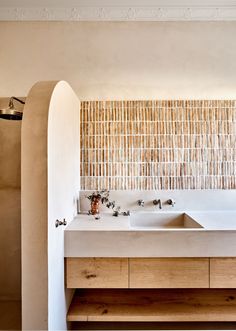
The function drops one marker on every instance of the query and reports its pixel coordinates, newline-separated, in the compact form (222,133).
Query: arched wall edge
(48,104)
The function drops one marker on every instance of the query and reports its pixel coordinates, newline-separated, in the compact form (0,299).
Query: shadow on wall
(10,216)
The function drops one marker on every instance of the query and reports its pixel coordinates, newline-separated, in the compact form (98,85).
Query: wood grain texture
(153,305)
(223,272)
(97,272)
(169,273)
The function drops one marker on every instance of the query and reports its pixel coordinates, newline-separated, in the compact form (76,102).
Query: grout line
(209,277)
(128,272)
(163,130)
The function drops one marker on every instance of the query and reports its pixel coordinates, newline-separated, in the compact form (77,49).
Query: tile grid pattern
(153,145)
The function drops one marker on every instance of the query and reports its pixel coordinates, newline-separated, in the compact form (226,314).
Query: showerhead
(10,113)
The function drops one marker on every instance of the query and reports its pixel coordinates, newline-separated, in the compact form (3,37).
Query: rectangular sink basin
(162,220)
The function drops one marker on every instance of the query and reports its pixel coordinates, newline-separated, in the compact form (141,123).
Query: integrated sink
(162,220)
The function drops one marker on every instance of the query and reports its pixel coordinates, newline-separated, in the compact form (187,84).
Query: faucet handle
(58,222)
(170,202)
(141,203)
(126,213)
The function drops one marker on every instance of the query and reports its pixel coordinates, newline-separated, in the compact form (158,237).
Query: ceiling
(118,10)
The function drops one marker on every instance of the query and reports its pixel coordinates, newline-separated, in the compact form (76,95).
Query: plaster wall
(121,60)
(10,260)
(34,206)
(50,185)
(63,190)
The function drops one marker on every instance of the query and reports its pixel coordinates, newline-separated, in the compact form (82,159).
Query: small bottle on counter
(95,206)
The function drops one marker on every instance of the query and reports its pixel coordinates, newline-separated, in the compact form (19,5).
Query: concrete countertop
(113,237)
(107,222)
(210,220)
(215,220)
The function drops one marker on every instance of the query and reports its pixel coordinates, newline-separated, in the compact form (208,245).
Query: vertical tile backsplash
(153,145)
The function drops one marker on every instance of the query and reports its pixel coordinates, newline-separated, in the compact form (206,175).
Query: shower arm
(11,105)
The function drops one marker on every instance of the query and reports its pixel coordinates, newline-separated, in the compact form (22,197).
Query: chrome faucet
(157,202)
(170,202)
(141,203)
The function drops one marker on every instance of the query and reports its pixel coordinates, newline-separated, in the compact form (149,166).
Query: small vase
(95,206)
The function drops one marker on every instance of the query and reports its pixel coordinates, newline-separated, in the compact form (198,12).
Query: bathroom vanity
(174,266)
(156,289)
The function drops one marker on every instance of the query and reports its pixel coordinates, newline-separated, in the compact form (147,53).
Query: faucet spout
(157,202)
(171,202)
(141,203)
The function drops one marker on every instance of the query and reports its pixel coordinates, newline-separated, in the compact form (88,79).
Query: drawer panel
(169,273)
(97,272)
(223,272)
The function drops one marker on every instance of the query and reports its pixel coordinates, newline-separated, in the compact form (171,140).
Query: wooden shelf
(152,305)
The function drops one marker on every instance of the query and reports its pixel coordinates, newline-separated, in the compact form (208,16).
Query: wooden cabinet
(152,289)
(151,272)
(223,272)
(169,273)
(97,272)
(137,272)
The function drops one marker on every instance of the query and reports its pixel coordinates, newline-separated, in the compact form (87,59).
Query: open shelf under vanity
(153,305)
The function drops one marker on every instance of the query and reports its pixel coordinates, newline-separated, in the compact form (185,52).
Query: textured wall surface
(121,60)
(152,145)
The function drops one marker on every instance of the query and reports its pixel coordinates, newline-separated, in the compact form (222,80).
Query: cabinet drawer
(169,273)
(223,272)
(97,273)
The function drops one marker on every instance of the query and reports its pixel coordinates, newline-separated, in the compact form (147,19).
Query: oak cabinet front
(97,272)
(169,273)
(223,272)
(151,273)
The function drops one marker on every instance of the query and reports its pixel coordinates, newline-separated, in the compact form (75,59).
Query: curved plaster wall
(50,184)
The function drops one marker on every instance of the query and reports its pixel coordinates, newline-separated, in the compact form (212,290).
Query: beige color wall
(63,193)
(50,186)
(121,60)
(34,208)
(10,260)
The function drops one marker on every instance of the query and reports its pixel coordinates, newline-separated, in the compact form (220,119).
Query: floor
(10,315)
(153,326)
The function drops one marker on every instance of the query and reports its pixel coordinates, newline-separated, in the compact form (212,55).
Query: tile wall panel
(152,145)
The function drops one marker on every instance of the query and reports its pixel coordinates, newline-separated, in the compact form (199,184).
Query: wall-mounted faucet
(170,202)
(157,202)
(58,222)
(141,203)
